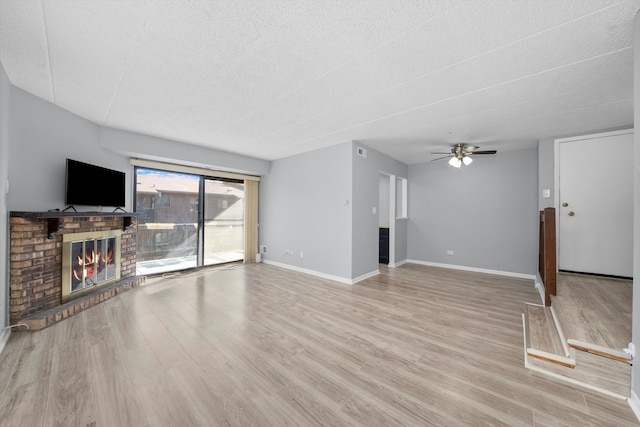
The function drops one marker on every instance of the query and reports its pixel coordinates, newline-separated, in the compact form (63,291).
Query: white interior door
(596,205)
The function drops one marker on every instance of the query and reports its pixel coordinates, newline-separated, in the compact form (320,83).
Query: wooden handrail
(547,253)
(541,246)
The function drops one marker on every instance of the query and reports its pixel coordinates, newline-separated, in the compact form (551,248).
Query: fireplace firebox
(89,260)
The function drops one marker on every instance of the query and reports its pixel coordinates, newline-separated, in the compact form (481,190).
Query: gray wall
(42,136)
(5,90)
(546,172)
(383,201)
(305,206)
(402,239)
(366,193)
(486,212)
(302,208)
(635,370)
(149,147)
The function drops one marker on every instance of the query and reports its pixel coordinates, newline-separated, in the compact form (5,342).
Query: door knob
(565,204)
(572,213)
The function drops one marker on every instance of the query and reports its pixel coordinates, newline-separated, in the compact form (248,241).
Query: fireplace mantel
(53,218)
(60,214)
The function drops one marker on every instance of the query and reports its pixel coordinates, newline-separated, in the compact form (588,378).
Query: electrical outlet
(450,252)
(263,249)
(301,254)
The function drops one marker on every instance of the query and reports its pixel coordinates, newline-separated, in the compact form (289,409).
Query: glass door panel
(223,221)
(168,230)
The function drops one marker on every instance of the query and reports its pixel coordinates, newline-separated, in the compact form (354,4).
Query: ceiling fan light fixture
(461,154)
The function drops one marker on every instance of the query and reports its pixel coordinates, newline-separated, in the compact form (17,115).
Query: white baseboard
(411,261)
(365,276)
(474,269)
(540,287)
(398,264)
(322,275)
(634,402)
(4,337)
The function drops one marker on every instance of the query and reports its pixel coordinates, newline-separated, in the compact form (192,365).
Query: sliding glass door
(188,221)
(167,232)
(223,221)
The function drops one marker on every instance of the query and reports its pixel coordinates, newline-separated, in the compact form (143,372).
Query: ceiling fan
(460,154)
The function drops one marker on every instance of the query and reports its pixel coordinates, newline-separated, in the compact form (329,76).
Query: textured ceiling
(275,78)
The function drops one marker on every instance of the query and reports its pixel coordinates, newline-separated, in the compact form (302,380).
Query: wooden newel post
(548,253)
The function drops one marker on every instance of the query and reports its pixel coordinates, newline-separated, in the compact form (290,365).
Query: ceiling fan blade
(468,149)
(438,152)
(440,158)
(483,152)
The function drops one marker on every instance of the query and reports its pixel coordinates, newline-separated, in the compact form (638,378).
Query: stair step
(544,338)
(591,366)
(597,373)
(599,350)
(553,358)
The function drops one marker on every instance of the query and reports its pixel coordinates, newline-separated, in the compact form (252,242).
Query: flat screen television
(92,185)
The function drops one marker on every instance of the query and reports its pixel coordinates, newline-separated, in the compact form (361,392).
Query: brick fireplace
(46,285)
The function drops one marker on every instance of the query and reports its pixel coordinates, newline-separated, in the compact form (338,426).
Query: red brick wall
(35,264)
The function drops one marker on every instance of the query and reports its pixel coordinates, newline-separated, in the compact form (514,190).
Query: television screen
(92,185)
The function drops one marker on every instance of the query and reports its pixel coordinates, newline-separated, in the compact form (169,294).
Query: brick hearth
(35,266)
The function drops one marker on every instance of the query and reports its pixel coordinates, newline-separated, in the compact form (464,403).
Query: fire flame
(91,265)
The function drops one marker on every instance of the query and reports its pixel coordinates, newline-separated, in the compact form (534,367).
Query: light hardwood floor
(259,345)
(595,309)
